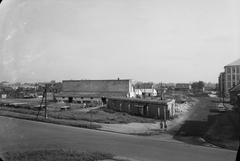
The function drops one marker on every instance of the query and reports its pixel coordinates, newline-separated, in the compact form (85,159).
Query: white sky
(146,40)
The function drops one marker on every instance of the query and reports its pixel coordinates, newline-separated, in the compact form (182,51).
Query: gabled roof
(146,86)
(235,88)
(235,63)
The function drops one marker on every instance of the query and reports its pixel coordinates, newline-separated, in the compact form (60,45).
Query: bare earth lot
(197,122)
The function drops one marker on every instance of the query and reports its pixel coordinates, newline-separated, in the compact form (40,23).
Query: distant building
(183,87)
(94,90)
(138,93)
(221,83)
(232,75)
(3,94)
(149,92)
(143,107)
(57,88)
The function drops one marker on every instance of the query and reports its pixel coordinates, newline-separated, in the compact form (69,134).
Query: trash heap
(182,107)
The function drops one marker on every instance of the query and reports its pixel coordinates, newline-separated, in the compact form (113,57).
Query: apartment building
(232,75)
(221,83)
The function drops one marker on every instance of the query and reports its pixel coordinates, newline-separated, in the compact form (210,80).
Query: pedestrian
(165,125)
(161,125)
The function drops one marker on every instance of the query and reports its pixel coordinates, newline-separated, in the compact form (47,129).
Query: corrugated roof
(236,62)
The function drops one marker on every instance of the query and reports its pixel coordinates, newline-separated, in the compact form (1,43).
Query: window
(238,69)
(229,85)
(233,77)
(233,84)
(238,78)
(114,104)
(229,77)
(228,70)
(233,70)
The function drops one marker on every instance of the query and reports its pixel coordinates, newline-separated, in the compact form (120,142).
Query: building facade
(79,91)
(232,75)
(221,83)
(142,107)
(183,87)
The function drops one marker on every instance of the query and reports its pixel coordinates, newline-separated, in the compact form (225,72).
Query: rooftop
(235,63)
(140,100)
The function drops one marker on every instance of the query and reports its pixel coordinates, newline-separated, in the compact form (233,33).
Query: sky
(177,41)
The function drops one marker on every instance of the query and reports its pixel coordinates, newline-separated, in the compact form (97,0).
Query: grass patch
(75,123)
(102,115)
(55,154)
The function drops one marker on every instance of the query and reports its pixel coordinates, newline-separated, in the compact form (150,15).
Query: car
(221,108)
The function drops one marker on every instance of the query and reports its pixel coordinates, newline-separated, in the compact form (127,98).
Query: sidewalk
(228,106)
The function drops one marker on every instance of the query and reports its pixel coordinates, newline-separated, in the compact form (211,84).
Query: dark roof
(140,100)
(235,88)
(236,62)
(92,94)
(146,85)
(182,85)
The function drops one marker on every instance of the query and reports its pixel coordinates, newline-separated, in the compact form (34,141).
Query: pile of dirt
(183,107)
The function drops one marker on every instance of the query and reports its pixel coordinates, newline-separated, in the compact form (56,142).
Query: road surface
(18,134)
(198,118)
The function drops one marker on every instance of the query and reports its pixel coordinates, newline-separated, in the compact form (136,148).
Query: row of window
(231,84)
(233,69)
(233,77)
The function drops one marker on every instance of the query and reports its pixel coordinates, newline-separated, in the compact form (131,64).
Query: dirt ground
(152,130)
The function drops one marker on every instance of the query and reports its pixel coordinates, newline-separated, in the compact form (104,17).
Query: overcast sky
(145,40)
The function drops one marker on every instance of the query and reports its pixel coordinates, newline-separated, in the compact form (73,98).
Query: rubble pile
(182,107)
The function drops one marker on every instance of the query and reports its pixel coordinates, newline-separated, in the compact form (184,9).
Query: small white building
(146,92)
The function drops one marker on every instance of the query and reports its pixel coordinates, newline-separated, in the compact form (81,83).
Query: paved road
(198,117)
(19,134)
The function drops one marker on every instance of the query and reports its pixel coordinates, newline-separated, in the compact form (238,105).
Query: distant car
(221,108)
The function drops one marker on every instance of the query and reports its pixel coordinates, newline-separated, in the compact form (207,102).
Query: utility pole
(43,97)
(161,92)
(45,91)
(223,93)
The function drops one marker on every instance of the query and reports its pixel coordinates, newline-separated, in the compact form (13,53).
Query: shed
(159,109)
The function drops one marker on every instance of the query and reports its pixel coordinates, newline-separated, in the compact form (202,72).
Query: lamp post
(223,93)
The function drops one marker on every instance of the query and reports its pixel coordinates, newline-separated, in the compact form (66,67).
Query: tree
(194,86)
(200,85)
(197,86)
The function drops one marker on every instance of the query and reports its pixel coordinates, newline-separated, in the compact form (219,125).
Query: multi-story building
(232,75)
(221,83)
